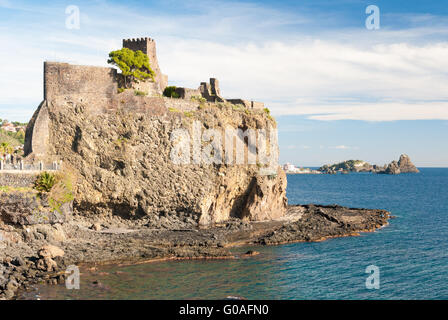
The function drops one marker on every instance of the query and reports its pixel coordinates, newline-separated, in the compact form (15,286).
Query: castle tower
(148,46)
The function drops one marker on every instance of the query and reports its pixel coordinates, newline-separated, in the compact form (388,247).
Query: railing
(22,166)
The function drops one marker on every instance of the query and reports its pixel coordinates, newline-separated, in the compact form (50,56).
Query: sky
(338,90)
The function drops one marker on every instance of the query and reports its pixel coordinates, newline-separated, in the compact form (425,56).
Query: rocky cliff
(404,165)
(122,160)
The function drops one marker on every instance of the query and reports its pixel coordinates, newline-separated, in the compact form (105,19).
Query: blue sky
(338,90)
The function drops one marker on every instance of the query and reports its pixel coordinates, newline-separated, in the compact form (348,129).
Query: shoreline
(137,244)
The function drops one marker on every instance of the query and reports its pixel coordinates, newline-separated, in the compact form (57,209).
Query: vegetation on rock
(57,187)
(170,92)
(62,191)
(140,93)
(349,165)
(45,181)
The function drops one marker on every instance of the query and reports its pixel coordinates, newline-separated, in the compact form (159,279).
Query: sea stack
(405,165)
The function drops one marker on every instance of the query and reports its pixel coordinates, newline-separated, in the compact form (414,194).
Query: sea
(407,259)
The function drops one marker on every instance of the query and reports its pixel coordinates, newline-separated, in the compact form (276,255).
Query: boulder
(50,251)
(46,264)
(392,168)
(96,227)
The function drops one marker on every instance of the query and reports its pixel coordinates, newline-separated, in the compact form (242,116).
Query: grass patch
(8,189)
(198,99)
(121,141)
(172,109)
(238,107)
(140,93)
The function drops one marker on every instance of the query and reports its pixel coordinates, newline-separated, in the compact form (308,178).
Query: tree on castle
(134,65)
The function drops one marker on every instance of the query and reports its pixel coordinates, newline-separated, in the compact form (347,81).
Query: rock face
(50,251)
(392,168)
(123,165)
(263,199)
(122,161)
(405,165)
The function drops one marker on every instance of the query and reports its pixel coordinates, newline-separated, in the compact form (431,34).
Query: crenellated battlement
(146,45)
(138,40)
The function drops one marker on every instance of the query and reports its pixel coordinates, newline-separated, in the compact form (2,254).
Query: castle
(97,89)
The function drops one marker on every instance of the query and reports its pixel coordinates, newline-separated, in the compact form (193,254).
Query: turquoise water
(411,253)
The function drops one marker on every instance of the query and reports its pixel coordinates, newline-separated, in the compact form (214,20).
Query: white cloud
(334,81)
(342,147)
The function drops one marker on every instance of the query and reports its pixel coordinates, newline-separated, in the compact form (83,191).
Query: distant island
(404,165)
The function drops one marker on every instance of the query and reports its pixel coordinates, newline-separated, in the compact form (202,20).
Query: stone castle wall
(248,104)
(187,94)
(37,134)
(18,179)
(181,104)
(94,87)
(79,82)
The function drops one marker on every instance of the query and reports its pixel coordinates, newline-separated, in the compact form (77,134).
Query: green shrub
(268,112)
(120,90)
(170,92)
(134,65)
(201,100)
(44,182)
